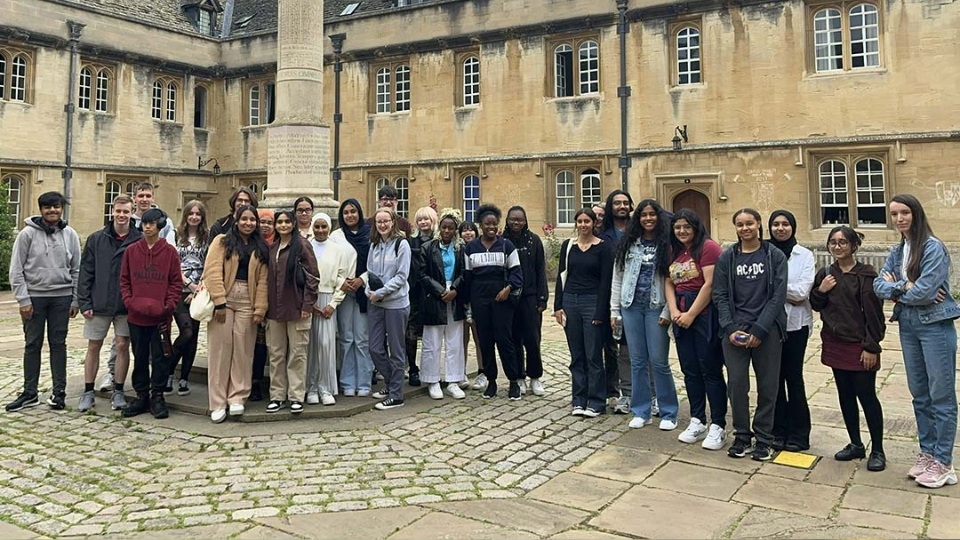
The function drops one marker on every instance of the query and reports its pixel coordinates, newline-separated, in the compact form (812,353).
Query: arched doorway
(696,201)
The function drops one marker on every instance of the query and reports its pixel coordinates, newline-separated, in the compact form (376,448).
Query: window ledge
(846,73)
(585,97)
(400,114)
(468,108)
(96,113)
(258,127)
(13,102)
(166,122)
(688,87)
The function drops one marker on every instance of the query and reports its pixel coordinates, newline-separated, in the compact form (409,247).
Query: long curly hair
(634,233)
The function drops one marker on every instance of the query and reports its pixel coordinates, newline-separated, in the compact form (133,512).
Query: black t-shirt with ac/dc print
(750,286)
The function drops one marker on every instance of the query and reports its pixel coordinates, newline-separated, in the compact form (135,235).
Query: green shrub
(8,232)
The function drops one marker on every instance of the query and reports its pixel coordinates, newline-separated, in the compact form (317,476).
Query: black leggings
(185,346)
(860,385)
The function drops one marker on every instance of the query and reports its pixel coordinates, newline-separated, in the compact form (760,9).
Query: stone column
(298,141)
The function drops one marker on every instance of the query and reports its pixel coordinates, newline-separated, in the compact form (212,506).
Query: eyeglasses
(838,243)
(388,199)
(304,210)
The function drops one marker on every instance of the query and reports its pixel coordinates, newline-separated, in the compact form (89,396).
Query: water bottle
(618,329)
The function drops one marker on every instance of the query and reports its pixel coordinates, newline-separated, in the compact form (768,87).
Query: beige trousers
(287,348)
(230,345)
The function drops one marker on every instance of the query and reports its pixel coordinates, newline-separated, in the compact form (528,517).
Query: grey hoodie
(45,262)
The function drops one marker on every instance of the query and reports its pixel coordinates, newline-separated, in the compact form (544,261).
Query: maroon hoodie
(150,282)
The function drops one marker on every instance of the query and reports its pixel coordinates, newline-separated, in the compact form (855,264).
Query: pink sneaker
(923,461)
(937,475)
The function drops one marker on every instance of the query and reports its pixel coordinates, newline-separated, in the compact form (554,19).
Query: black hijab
(785,246)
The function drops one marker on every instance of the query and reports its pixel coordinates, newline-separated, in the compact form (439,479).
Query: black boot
(255,392)
(851,452)
(139,406)
(158,407)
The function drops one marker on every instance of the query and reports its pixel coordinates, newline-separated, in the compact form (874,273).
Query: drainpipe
(623,92)
(70,108)
(337,40)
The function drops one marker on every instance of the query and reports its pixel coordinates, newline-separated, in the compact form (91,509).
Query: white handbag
(201,307)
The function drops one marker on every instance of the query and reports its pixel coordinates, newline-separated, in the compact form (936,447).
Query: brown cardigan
(219,275)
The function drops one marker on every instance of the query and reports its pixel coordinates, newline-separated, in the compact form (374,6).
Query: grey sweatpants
(766,367)
(387,331)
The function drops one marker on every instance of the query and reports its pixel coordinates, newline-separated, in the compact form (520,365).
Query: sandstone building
(826,108)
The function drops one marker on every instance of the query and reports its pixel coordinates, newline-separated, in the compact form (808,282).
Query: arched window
(402,88)
(566,203)
(864,36)
(471,196)
(164,100)
(3,75)
(403,195)
(589,53)
(111,191)
(383,90)
(171,109)
(86,82)
(14,185)
(688,56)
(563,70)
(18,79)
(103,84)
(575,187)
(156,102)
(471,81)
(871,192)
(590,190)
(828,39)
(834,206)
(93,91)
(199,107)
(15,74)
(254,105)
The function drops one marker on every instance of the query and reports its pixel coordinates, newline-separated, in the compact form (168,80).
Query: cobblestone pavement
(452,469)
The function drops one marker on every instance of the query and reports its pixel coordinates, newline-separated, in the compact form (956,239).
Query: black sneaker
(255,392)
(158,407)
(739,448)
(762,452)
(139,406)
(514,393)
(796,446)
(23,401)
(877,462)
(491,390)
(779,443)
(296,407)
(414,378)
(389,403)
(57,402)
(169,387)
(275,406)
(851,452)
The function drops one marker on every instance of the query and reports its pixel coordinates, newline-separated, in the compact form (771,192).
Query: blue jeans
(648,343)
(586,352)
(930,359)
(352,334)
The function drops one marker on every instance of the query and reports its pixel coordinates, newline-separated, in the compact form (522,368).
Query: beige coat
(333,270)
(219,275)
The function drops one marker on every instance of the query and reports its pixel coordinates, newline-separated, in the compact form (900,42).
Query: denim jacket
(625,285)
(922,296)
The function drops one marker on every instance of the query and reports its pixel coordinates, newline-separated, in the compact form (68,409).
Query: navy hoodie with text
(150,282)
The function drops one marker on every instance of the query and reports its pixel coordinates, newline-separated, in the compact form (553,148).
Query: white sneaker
(716,438)
(106,382)
(327,399)
(236,409)
(523,386)
(639,421)
(435,391)
(455,392)
(380,394)
(480,382)
(313,398)
(218,416)
(537,387)
(360,393)
(694,432)
(465,384)
(668,425)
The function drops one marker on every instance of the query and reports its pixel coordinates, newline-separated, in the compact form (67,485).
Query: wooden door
(696,201)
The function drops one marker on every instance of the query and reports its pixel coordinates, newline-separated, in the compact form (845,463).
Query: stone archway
(696,201)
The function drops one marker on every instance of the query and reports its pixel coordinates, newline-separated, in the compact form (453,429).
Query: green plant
(551,245)
(8,233)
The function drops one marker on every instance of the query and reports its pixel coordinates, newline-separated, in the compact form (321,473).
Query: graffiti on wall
(948,193)
(763,186)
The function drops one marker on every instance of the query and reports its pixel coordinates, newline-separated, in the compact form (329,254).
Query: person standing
(582,306)
(528,315)
(468,233)
(426,230)
(388,268)
(441,279)
(268,233)
(388,197)
(493,281)
(242,196)
(44,275)
(235,274)
(916,276)
(151,286)
(322,350)
(688,288)
(791,421)
(616,354)
(749,289)
(292,292)
(853,328)
(303,208)
(638,298)
(353,235)
(192,242)
(101,303)
(143,200)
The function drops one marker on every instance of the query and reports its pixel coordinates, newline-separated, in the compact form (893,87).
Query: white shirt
(800,274)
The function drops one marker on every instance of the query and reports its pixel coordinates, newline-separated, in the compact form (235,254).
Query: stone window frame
(167,106)
(846,13)
(205,88)
(11,56)
(15,181)
(694,22)
(468,203)
(469,90)
(398,178)
(114,186)
(257,185)
(578,172)
(574,43)
(264,91)
(399,98)
(102,78)
(850,207)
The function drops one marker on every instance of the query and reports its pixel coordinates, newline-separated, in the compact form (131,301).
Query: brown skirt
(842,354)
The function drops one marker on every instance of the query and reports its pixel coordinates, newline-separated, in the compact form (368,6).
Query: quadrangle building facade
(824,107)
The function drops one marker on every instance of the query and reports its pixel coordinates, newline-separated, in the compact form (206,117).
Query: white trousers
(450,335)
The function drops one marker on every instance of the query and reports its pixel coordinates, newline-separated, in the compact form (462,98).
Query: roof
(165,13)
(256,16)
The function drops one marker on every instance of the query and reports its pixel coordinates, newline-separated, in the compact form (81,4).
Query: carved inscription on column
(298,150)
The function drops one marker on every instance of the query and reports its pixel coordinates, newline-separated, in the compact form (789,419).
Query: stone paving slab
(789,495)
(346,525)
(540,518)
(876,520)
(654,513)
(622,463)
(587,534)
(579,491)
(768,523)
(12,532)
(441,526)
(698,481)
(944,518)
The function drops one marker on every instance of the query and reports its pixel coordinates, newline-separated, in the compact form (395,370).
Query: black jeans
(50,313)
(791,422)
(185,346)
(150,367)
(260,354)
(701,361)
(494,322)
(527,320)
(612,355)
(585,341)
(413,334)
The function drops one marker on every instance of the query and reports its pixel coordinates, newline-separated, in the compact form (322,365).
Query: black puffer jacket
(99,285)
(533,263)
(433,310)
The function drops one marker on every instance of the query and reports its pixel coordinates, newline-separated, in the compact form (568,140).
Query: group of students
(641,271)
